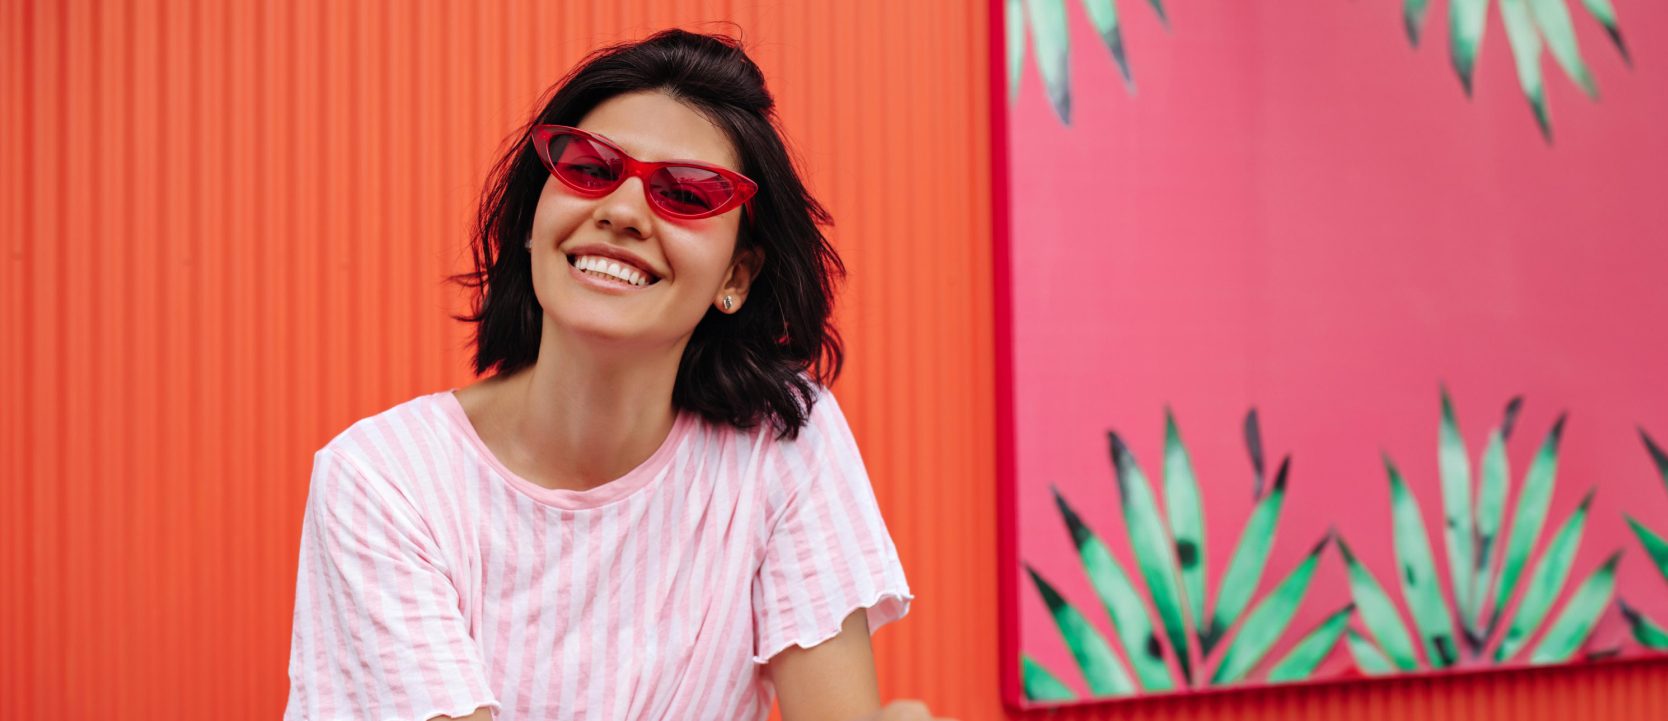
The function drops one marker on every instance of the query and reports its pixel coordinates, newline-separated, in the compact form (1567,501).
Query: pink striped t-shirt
(435,581)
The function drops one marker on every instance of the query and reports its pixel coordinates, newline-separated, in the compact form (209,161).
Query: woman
(652,508)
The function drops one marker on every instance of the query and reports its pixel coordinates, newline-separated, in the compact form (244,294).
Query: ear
(744,269)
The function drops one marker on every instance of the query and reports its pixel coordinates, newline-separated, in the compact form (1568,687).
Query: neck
(587,413)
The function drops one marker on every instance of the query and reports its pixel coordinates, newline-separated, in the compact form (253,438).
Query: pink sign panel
(1331,340)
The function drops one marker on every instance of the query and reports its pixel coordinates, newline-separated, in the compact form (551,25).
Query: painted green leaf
(1268,620)
(1553,18)
(1104,15)
(1039,684)
(1532,504)
(1526,52)
(1245,568)
(1655,546)
(1123,603)
(1576,621)
(1466,22)
(1100,667)
(1187,517)
(1314,648)
(1378,613)
(1418,574)
(1546,581)
(1645,631)
(1491,510)
(1052,40)
(1457,527)
(1368,658)
(1152,548)
(1606,15)
(1413,18)
(1014,23)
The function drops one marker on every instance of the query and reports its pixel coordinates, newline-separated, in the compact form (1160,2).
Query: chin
(614,331)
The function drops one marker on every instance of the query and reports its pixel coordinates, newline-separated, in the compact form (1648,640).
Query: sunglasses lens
(689,191)
(584,164)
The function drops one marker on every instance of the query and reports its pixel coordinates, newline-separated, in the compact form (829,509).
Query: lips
(598,266)
(624,258)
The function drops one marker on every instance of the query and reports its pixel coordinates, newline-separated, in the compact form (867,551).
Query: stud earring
(529,243)
(727,303)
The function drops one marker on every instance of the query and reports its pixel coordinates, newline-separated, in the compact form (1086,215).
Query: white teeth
(612,269)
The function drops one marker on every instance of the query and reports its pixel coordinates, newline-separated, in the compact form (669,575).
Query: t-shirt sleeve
(378,631)
(827,553)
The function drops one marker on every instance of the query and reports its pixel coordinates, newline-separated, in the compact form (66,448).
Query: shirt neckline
(569,499)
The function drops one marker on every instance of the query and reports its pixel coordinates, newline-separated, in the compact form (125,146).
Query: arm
(835,680)
(832,681)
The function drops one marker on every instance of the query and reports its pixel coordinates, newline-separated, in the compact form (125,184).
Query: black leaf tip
(1079,531)
(1321,544)
(1343,548)
(1512,408)
(1557,432)
(1050,596)
(1615,34)
(1254,448)
(1062,106)
(1541,119)
(1586,500)
(1280,475)
(1657,455)
(1628,612)
(1390,467)
(1122,461)
(1119,448)
(1115,42)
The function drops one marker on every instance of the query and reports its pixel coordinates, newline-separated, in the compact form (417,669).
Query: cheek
(557,214)
(700,259)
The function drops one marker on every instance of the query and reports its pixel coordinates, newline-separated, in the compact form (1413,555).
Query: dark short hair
(761,364)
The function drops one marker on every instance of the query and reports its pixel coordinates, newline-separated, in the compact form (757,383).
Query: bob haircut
(764,362)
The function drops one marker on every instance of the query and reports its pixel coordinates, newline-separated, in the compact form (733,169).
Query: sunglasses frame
(542,135)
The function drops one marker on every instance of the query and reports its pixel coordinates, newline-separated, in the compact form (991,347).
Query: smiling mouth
(598,266)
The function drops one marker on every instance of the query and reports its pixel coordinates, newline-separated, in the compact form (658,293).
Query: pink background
(1300,212)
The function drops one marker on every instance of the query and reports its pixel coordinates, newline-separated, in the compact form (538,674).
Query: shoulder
(386,455)
(823,452)
(825,423)
(390,438)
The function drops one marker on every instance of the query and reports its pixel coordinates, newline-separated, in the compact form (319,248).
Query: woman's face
(691,264)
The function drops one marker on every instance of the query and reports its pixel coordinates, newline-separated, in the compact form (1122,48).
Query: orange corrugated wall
(225,227)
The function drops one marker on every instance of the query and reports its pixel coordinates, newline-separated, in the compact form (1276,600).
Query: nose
(625,210)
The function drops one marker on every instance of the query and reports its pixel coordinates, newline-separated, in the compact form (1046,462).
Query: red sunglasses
(678,189)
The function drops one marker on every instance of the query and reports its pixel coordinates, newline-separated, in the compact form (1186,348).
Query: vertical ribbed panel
(225,229)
